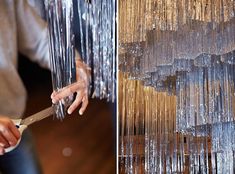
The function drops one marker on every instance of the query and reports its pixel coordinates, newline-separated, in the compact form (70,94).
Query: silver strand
(185,48)
(61,45)
(98,48)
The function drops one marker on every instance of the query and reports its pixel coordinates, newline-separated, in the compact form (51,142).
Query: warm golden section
(140,105)
(138,16)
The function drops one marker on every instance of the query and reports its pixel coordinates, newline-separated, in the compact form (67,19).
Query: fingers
(80,87)
(6,128)
(9,134)
(2,150)
(14,131)
(67,91)
(3,142)
(84,105)
(76,103)
(80,98)
(53,94)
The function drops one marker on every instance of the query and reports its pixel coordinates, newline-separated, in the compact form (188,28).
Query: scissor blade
(38,116)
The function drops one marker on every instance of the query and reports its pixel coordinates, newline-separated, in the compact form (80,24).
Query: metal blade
(38,116)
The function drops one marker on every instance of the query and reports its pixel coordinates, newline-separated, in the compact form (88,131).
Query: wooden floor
(78,144)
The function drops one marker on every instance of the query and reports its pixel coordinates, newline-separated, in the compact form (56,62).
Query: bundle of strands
(98,44)
(61,41)
(97,24)
(185,48)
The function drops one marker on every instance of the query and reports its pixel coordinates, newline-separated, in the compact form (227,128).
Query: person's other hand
(9,134)
(80,88)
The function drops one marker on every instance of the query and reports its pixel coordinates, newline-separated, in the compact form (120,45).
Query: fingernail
(53,101)
(80,112)
(69,111)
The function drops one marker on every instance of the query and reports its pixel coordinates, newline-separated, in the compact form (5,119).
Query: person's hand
(80,88)
(9,134)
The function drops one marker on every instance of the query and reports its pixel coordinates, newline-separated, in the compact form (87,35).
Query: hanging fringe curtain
(97,23)
(183,48)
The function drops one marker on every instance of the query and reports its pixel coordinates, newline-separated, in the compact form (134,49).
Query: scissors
(22,124)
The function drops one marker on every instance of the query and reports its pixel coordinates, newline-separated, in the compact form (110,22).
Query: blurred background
(78,144)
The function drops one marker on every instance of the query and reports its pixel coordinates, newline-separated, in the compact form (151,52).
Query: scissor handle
(21,129)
